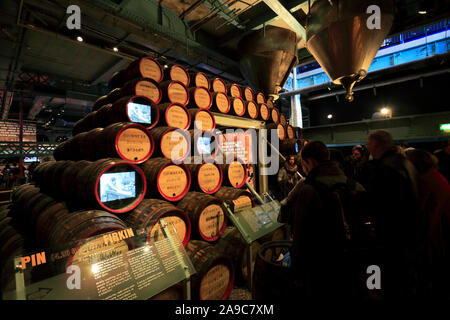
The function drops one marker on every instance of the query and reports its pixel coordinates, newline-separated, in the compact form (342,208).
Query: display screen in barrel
(120,187)
(117,185)
(204,145)
(142,110)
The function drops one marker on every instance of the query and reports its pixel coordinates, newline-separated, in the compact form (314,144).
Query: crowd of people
(385,205)
(10,174)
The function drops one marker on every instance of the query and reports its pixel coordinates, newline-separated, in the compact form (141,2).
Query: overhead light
(166,66)
(80,39)
(422,12)
(115,49)
(384,111)
(330,116)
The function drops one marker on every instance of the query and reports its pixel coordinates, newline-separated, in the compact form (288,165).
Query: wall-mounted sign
(9,131)
(445,127)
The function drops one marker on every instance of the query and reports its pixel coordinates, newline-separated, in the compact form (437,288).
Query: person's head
(314,153)
(422,160)
(378,142)
(291,160)
(357,152)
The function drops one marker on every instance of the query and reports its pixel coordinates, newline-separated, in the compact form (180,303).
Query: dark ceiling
(41,61)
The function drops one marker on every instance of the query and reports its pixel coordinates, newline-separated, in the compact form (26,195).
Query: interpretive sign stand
(254,224)
(120,265)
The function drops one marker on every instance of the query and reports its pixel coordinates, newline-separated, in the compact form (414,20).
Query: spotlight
(330,116)
(166,66)
(115,49)
(384,111)
(422,12)
(80,39)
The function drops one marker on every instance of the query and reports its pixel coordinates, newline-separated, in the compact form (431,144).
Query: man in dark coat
(394,204)
(317,261)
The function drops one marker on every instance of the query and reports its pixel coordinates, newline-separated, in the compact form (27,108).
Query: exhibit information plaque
(121,265)
(257,222)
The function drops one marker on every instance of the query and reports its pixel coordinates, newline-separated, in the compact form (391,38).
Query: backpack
(351,212)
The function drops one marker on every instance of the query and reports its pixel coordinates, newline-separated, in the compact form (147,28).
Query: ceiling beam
(286,15)
(259,20)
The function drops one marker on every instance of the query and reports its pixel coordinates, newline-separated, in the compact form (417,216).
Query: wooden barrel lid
(281,132)
(215,282)
(134,143)
(202,98)
(275,115)
(175,145)
(219,85)
(178,93)
(270,103)
(150,68)
(211,221)
(249,94)
(242,202)
(209,177)
(177,116)
(223,102)
(235,91)
(236,174)
(201,80)
(290,132)
(264,111)
(283,119)
(238,106)
(177,228)
(179,73)
(149,90)
(173,181)
(204,120)
(260,98)
(252,109)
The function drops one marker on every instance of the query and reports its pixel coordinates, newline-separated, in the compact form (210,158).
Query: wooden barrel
(249,94)
(43,202)
(11,248)
(144,87)
(281,130)
(113,184)
(75,230)
(200,80)
(290,146)
(199,98)
(68,180)
(206,176)
(231,244)
(174,115)
(20,189)
(237,106)
(235,90)
(204,144)
(290,132)
(252,110)
(237,199)
(283,120)
(174,92)
(218,85)
(202,120)
(177,73)
(269,103)
(145,67)
(275,115)
(271,279)
(136,109)
(100,102)
(174,292)
(46,221)
(215,272)
(148,214)
(234,174)
(207,215)
(264,112)
(169,181)
(171,143)
(128,141)
(117,80)
(220,103)
(86,123)
(260,98)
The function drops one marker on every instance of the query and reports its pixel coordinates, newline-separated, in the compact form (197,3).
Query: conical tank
(267,56)
(344,36)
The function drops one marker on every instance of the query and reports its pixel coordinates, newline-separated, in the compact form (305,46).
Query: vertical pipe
(21,138)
